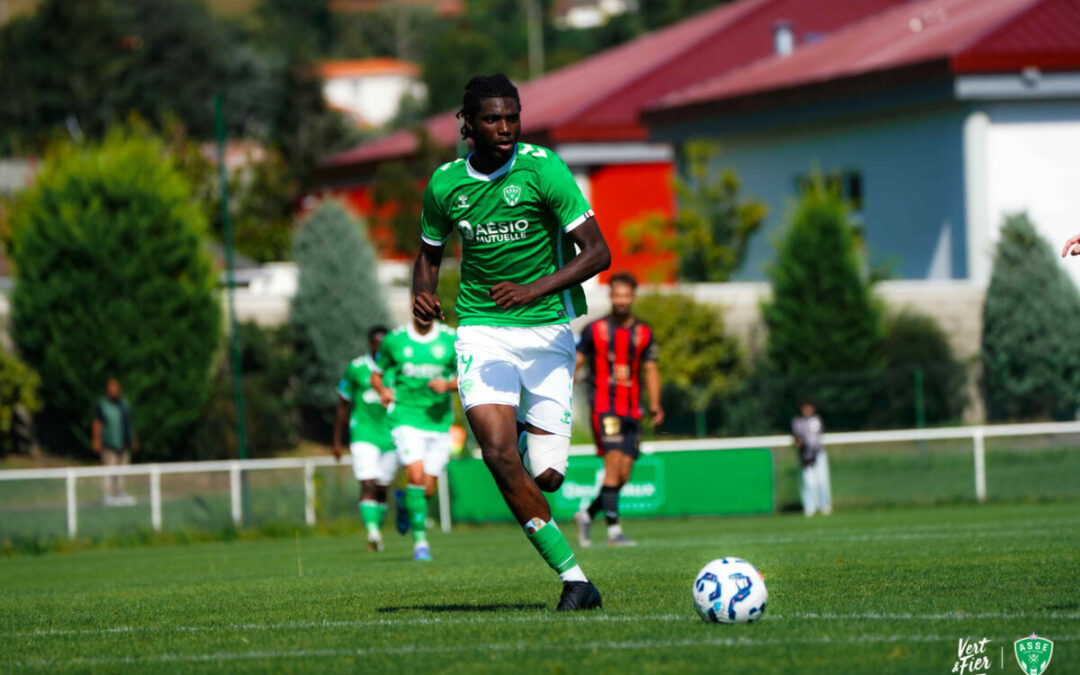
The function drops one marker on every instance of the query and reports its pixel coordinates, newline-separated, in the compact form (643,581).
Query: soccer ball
(730,590)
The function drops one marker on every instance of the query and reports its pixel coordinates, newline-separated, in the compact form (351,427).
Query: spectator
(808,430)
(114,439)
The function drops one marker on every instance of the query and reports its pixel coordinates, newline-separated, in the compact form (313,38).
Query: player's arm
(595,257)
(578,364)
(386,394)
(652,388)
(95,433)
(341,415)
(441,386)
(426,305)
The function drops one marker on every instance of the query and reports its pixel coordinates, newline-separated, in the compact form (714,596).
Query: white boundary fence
(307,465)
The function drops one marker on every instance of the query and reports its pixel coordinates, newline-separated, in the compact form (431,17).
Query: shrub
(1031,326)
(337,300)
(19,386)
(113,279)
(825,327)
(699,362)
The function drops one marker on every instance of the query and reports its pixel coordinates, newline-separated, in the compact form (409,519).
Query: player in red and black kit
(621,354)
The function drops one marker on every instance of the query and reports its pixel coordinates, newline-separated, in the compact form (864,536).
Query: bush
(268,367)
(1031,326)
(337,300)
(825,328)
(699,362)
(915,343)
(19,386)
(113,279)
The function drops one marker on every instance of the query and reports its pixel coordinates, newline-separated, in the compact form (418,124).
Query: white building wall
(1033,164)
(375,99)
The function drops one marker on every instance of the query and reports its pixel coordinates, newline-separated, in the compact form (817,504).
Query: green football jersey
(410,360)
(367,421)
(514,226)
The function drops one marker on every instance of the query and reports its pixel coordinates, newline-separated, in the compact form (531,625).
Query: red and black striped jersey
(614,355)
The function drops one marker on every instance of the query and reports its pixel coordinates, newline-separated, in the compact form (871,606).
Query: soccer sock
(596,506)
(554,549)
(416,506)
(381,509)
(369,513)
(609,501)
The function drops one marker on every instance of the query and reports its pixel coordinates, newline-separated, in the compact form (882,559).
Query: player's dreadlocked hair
(481,87)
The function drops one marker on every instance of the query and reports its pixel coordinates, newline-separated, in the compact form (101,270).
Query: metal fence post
(155,497)
(72,505)
(980,464)
(235,494)
(444,501)
(309,493)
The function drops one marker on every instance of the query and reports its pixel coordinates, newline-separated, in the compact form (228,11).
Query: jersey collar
(501,171)
(427,337)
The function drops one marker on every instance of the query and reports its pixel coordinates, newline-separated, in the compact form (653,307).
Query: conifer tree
(1031,329)
(338,299)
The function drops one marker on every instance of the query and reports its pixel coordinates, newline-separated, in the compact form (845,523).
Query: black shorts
(614,432)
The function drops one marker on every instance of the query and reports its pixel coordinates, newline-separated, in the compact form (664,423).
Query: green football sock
(369,513)
(382,509)
(551,544)
(416,506)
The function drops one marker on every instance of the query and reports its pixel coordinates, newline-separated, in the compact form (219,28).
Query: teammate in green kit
(520,216)
(418,359)
(370,443)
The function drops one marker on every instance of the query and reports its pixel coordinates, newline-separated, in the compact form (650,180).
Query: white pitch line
(495,647)
(593,618)
(848,538)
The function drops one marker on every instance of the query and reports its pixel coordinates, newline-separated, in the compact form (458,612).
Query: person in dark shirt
(620,353)
(114,439)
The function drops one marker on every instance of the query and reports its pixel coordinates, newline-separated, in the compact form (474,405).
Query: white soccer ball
(730,590)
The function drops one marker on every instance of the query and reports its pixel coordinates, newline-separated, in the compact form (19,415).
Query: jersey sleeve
(384,360)
(435,226)
(651,352)
(562,194)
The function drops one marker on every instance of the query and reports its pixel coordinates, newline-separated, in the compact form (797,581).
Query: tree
(114,280)
(1031,326)
(700,363)
(337,300)
(19,387)
(83,66)
(825,326)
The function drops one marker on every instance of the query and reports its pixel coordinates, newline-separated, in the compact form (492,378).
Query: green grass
(878,591)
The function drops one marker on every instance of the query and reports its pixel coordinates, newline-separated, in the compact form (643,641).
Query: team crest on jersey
(512,194)
(408,352)
(438,351)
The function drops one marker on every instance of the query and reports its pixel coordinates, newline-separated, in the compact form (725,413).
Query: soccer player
(520,216)
(370,443)
(620,350)
(418,359)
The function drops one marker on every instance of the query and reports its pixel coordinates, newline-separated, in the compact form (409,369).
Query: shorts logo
(566,417)
(465,386)
(512,194)
(1033,653)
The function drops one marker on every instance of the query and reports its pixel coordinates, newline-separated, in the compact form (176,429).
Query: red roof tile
(964,35)
(600,98)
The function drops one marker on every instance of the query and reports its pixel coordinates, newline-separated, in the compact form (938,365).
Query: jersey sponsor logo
(512,194)
(428,370)
(487,233)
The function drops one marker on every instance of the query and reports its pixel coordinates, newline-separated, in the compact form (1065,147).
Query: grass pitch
(881,591)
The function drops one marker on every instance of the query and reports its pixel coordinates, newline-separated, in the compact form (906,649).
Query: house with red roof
(936,118)
(589,112)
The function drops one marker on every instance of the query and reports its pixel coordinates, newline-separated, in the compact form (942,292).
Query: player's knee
(548,456)
(501,460)
(550,480)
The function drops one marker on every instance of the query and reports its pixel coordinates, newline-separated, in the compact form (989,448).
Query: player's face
(375,342)
(496,128)
(622,298)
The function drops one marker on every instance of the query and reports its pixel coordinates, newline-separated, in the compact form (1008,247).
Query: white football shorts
(420,445)
(528,367)
(371,463)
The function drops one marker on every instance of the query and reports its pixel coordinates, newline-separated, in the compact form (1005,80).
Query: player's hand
(657,415)
(386,397)
(439,386)
(426,307)
(336,451)
(1071,246)
(507,294)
